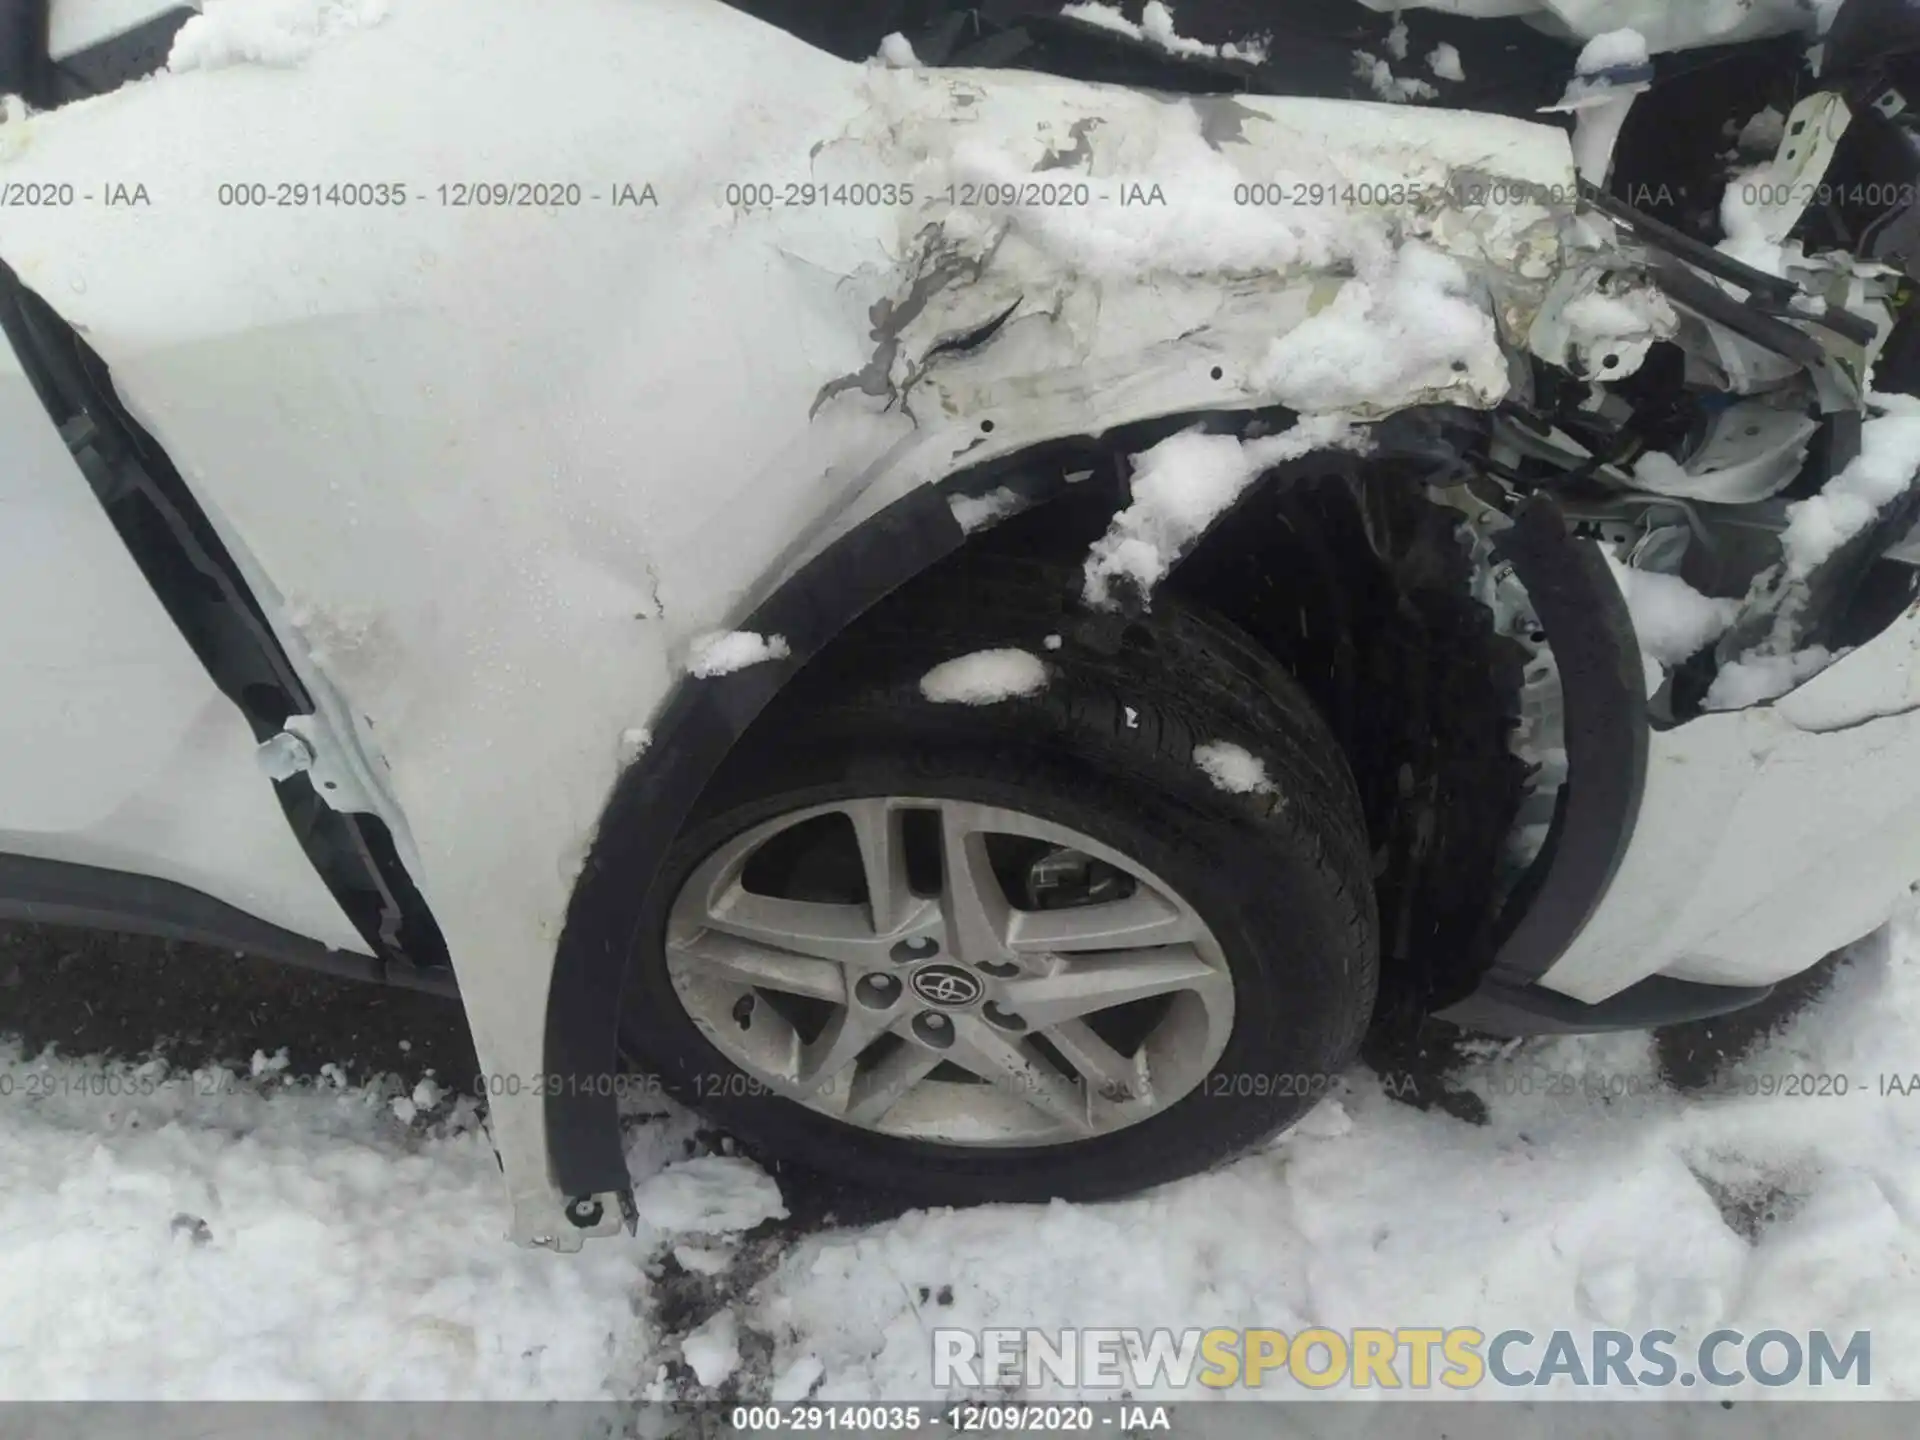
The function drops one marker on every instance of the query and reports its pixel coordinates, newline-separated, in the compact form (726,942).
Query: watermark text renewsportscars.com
(1401,1358)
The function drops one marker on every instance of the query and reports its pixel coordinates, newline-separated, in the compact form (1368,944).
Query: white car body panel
(503,465)
(1767,837)
(116,750)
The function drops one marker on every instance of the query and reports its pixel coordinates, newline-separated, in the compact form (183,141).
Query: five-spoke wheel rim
(936,1006)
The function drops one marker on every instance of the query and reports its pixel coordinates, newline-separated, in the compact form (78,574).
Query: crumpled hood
(1163,214)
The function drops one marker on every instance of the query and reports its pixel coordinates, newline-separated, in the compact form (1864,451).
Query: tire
(1280,880)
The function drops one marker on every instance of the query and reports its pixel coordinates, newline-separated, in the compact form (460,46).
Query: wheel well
(1354,581)
(1342,568)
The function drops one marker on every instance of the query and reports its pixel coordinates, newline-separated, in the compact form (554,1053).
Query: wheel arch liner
(1607,728)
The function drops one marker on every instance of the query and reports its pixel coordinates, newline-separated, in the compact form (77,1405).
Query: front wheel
(1071,942)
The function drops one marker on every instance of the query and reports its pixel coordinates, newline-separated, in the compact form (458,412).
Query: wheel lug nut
(933,1028)
(1005,1019)
(877,991)
(917,948)
(999,969)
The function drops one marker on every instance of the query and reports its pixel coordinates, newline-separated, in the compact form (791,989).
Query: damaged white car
(981,613)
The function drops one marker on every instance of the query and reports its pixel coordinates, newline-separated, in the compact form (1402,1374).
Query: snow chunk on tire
(1180,487)
(984,678)
(730,650)
(1233,768)
(710,1195)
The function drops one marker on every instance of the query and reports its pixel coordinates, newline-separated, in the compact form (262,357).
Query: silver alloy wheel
(955,1017)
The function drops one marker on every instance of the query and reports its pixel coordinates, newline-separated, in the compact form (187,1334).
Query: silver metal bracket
(304,747)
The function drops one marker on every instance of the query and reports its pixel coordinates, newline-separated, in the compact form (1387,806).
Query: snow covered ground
(234,1234)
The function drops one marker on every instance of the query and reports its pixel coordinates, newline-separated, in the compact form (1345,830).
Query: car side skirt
(58,892)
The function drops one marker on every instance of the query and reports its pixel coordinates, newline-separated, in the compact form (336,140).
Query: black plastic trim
(1658,1000)
(1604,699)
(58,892)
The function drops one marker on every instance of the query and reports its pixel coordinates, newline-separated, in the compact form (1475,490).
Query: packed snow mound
(266,32)
(1757,677)
(1408,327)
(1444,61)
(1202,231)
(712,1351)
(980,512)
(1673,620)
(731,650)
(1233,768)
(235,1239)
(1180,487)
(1592,1198)
(1888,460)
(212,1234)
(1612,50)
(985,677)
(710,1194)
(896,50)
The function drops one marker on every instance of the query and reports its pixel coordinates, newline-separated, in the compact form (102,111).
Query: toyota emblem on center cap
(946,985)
